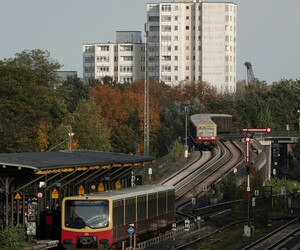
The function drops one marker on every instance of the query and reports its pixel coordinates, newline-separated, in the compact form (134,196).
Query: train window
(152,205)
(118,213)
(130,210)
(141,208)
(201,131)
(86,213)
(210,131)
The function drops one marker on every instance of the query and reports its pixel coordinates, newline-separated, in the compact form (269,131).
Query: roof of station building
(40,161)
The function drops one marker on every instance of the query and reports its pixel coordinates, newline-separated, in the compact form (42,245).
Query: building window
(102,69)
(166,18)
(175,38)
(176,78)
(126,48)
(166,48)
(89,49)
(187,47)
(187,38)
(175,18)
(176,7)
(165,28)
(166,58)
(175,47)
(187,58)
(176,58)
(127,58)
(153,18)
(126,68)
(175,27)
(175,67)
(166,38)
(187,17)
(187,27)
(166,68)
(166,78)
(154,28)
(102,58)
(166,8)
(104,48)
(187,77)
(187,7)
(187,68)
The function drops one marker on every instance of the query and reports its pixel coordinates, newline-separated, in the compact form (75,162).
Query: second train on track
(204,129)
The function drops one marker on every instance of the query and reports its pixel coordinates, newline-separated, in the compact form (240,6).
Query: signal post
(247,229)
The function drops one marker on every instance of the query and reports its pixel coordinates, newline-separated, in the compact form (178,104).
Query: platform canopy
(66,161)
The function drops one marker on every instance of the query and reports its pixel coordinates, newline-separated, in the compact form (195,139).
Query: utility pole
(146,106)
(186,145)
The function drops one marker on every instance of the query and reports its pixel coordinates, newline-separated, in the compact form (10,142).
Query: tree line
(38,111)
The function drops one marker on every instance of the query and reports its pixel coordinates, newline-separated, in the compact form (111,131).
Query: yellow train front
(101,220)
(205,128)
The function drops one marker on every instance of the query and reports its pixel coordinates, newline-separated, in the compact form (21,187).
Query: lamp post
(70,142)
(146,115)
(186,146)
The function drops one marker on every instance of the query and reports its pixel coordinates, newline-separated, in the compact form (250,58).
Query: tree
(41,63)
(72,91)
(89,127)
(229,188)
(28,111)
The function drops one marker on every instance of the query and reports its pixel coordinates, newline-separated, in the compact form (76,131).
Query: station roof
(47,161)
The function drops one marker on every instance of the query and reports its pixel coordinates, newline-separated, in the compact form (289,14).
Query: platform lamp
(70,142)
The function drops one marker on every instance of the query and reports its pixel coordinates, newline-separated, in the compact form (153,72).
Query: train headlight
(199,138)
(213,138)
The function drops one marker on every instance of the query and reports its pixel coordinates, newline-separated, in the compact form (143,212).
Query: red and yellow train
(205,128)
(101,220)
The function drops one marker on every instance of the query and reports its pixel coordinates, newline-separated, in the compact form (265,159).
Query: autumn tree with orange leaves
(123,111)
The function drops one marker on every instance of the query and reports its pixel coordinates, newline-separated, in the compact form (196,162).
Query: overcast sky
(268,33)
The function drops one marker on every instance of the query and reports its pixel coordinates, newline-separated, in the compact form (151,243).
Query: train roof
(206,118)
(125,192)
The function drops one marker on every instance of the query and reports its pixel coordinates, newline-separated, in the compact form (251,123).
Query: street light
(186,146)
(70,143)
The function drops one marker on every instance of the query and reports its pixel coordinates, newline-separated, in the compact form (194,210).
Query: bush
(177,152)
(13,238)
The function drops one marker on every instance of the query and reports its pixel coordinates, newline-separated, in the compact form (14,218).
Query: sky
(268,31)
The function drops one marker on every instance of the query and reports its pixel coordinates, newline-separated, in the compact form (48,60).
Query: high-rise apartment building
(193,40)
(124,60)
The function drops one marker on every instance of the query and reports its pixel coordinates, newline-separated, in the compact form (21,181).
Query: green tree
(28,111)
(13,238)
(89,127)
(229,188)
(72,91)
(41,63)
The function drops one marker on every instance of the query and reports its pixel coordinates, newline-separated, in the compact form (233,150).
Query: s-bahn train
(205,128)
(102,220)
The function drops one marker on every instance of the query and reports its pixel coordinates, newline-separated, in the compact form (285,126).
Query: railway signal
(257,130)
(248,163)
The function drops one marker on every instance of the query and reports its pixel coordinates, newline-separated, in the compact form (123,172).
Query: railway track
(277,237)
(212,172)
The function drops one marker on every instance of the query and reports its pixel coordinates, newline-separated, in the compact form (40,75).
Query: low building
(124,60)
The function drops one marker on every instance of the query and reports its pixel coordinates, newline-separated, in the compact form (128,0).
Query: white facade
(193,40)
(124,62)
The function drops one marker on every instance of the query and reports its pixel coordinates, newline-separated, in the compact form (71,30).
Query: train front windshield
(206,131)
(86,213)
